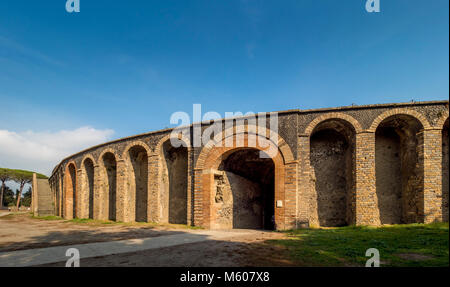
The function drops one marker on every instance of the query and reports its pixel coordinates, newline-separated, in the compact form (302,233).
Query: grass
(109,222)
(399,245)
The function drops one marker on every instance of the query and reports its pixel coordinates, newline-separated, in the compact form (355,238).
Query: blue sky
(123,67)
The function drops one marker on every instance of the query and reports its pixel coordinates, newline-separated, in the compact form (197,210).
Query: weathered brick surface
(366,199)
(432,178)
(423,196)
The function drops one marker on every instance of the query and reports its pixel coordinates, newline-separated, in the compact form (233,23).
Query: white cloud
(42,151)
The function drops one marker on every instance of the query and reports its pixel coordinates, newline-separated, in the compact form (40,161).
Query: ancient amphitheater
(363,165)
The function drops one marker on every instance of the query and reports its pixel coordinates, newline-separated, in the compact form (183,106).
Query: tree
(26,200)
(4,177)
(22,177)
(8,197)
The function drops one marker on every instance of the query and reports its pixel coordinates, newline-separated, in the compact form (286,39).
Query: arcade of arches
(390,170)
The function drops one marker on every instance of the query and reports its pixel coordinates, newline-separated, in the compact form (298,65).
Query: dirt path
(20,232)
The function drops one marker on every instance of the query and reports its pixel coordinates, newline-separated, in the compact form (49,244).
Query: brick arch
(342,212)
(133,144)
(162,207)
(84,196)
(107,210)
(399,111)
(441,121)
(211,161)
(69,163)
(158,146)
(328,116)
(69,190)
(282,146)
(130,209)
(88,156)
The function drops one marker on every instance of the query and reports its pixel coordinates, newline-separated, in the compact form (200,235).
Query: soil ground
(22,231)
(398,245)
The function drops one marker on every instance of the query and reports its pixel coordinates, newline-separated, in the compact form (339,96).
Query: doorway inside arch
(244,191)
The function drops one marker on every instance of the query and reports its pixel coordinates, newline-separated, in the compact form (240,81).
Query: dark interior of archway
(139,163)
(73,175)
(252,209)
(445,174)
(89,169)
(332,159)
(398,178)
(109,162)
(177,173)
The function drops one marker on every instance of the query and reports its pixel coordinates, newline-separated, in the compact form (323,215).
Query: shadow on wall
(245,193)
(139,179)
(399,178)
(110,169)
(175,183)
(89,185)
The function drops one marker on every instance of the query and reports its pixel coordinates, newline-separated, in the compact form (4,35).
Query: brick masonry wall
(432,175)
(299,203)
(366,200)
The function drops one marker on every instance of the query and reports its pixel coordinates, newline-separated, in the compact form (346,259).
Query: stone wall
(174,184)
(445,175)
(237,202)
(352,165)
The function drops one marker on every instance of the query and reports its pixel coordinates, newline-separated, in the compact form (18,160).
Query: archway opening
(174,183)
(139,181)
(399,180)
(110,169)
(88,184)
(332,157)
(445,175)
(71,202)
(244,191)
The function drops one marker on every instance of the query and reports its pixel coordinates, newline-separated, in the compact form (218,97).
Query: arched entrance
(88,188)
(218,163)
(399,180)
(109,166)
(70,180)
(138,181)
(245,185)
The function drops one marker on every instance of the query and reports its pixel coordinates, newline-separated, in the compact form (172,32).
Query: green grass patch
(97,222)
(92,221)
(399,245)
(136,224)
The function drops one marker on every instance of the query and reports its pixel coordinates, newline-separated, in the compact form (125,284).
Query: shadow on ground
(210,253)
(195,249)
